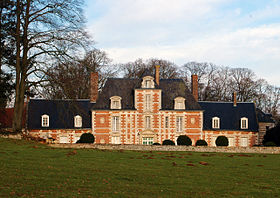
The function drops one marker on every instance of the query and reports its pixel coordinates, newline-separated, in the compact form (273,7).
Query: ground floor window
(116,140)
(244,142)
(231,141)
(148,141)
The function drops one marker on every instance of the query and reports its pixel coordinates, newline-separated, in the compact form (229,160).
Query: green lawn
(36,170)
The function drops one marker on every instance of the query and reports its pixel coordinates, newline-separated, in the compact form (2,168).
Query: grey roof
(229,115)
(264,117)
(124,87)
(61,113)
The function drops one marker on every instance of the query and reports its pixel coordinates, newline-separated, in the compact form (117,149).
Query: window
(179,103)
(77,121)
(179,124)
(116,102)
(215,123)
(166,122)
(244,123)
(148,122)
(148,82)
(231,141)
(45,121)
(244,142)
(147,140)
(148,102)
(116,140)
(116,123)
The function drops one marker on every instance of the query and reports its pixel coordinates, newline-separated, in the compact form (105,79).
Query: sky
(232,33)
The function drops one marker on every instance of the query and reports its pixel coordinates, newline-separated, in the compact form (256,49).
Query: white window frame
(179,123)
(244,123)
(215,123)
(45,120)
(179,103)
(148,122)
(116,102)
(78,121)
(115,123)
(148,82)
(147,140)
(148,102)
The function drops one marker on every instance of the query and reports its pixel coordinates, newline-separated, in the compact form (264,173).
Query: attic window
(77,121)
(45,121)
(215,123)
(244,123)
(116,102)
(179,103)
(148,82)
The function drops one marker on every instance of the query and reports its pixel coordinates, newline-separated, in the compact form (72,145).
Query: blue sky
(234,33)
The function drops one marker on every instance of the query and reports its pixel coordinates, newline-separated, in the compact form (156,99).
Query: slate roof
(124,87)
(264,117)
(229,115)
(61,113)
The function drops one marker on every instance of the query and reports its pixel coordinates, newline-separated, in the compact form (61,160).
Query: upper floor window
(45,121)
(166,122)
(148,82)
(116,102)
(148,122)
(244,123)
(215,123)
(78,121)
(148,102)
(115,123)
(179,103)
(179,124)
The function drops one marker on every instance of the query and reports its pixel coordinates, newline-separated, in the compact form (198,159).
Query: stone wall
(268,150)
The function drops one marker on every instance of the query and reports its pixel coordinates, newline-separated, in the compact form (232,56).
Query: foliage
(6,88)
(272,135)
(156,143)
(168,142)
(184,140)
(67,173)
(221,141)
(269,144)
(201,143)
(86,138)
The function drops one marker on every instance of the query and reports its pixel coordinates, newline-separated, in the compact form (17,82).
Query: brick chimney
(195,86)
(234,100)
(93,87)
(157,74)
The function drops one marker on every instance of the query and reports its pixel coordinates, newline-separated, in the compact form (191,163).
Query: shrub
(201,143)
(272,135)
(221,141)
(86,138)
(156,143)
(184,140)
(270,144)
(168,142)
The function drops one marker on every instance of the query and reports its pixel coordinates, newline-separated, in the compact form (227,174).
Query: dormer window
(179,103)
(244,123)
(77,121)
(116,102)
(148,82)
(45,121)
(215,123)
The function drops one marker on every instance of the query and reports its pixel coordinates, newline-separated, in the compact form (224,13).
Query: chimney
(157,74)
(93,87)
(195,86)
(234,99)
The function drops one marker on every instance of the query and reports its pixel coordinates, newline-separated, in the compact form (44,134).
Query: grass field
(35,170)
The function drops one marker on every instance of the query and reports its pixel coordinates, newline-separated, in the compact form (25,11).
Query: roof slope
(229,115)
(61,113)
(264,117)
(124,87)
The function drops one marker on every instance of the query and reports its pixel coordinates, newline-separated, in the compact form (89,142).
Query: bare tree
(45,30)
(136,69)
(71,79)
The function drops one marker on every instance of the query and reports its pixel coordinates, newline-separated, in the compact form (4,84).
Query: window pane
(166,122)
(148,102)
(179,124)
